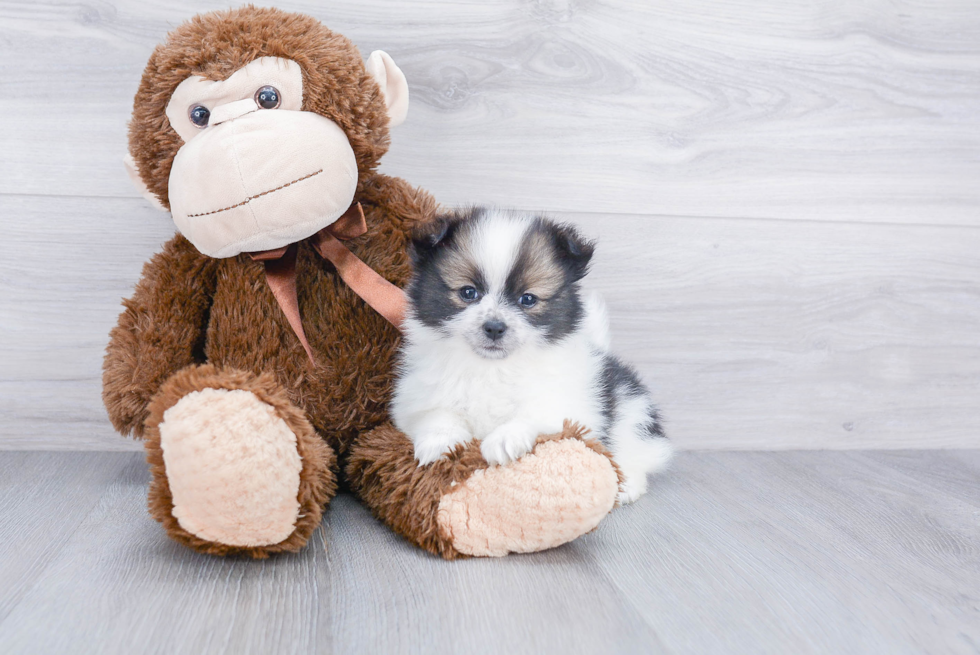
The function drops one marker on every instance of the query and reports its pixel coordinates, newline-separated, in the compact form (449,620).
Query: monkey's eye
(267,97)
(527,301)
(469,294)
(199,115)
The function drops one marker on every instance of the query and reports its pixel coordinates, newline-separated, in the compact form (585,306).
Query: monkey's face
(255,171)
(254,126)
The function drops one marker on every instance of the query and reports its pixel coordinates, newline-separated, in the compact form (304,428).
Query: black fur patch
(562,316)
(546,244)
(432,299)
(620,381)
(653,429)
(562,312)
(430,239)
(574,251)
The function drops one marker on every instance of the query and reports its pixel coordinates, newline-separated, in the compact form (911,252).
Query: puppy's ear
(427,238)
(574,250)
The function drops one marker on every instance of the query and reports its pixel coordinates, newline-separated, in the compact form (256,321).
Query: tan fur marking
(542,275)
(456,267)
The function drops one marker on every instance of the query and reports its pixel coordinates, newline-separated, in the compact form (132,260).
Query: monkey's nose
(232,110)
(494,329)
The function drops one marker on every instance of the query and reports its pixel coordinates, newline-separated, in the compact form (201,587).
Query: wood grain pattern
(753,334)
(414,603)
(741,538)
(819,552)
(860,111)
(116,583)
(61,288)
(43,500)
(764,334)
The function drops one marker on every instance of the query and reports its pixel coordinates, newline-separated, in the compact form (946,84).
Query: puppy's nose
(494,329)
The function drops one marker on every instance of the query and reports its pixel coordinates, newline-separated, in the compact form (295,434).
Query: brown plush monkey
(256,375)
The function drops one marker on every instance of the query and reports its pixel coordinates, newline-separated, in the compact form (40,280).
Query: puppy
(499,346)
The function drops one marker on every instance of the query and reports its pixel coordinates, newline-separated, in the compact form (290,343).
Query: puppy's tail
(596,323)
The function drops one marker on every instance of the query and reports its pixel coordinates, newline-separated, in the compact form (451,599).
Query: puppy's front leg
(509,441)
(436,433)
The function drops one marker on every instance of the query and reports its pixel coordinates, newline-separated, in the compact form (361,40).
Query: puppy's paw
(437,444)
(632,488)
(508,442)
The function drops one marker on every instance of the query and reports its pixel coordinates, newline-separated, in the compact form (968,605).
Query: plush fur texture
(233,467)
(421,503)
(382,470)
(336,84)
(191,309)
(317,480)
(500,347)
(196,323)
(513,509)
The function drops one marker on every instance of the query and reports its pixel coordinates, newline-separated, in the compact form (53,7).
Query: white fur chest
(543,386)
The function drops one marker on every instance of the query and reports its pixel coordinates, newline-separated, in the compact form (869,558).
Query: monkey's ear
(134,176)
(393,85)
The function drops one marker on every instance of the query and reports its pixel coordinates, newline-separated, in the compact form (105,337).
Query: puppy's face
(498,281)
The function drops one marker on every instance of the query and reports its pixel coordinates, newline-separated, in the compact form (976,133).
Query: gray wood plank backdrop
(787,195)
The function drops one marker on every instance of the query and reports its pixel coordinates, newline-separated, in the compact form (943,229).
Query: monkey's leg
(459,506)
(237,468)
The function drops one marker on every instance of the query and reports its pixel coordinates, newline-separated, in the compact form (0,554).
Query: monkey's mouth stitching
(258,195)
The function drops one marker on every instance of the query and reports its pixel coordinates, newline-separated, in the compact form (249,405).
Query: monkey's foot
(236,467)
(461,506)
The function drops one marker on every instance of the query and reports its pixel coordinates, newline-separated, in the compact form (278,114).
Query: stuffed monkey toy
(255,357)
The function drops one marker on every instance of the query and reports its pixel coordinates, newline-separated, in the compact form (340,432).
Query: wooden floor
(751,552)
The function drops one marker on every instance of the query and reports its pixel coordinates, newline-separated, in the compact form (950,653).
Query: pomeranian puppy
(499,346)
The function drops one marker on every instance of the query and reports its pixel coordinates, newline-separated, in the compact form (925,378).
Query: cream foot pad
(549,497)
(233,468)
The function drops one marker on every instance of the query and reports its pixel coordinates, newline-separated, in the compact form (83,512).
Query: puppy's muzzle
(494,330)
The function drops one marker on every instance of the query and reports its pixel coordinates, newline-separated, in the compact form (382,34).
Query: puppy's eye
(527,300)
(199,115)
(469,294)
(267,97)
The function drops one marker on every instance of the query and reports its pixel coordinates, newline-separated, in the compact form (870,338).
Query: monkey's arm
(161,330)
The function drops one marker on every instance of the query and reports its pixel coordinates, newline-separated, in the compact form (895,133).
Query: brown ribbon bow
(280,271)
